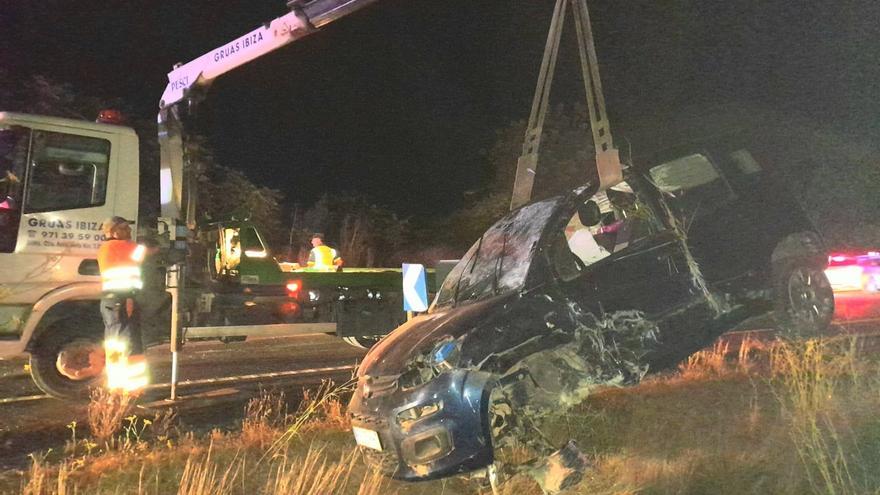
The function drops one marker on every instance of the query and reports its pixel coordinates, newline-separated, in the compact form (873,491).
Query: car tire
(804,300)
(362,342)
(47,353)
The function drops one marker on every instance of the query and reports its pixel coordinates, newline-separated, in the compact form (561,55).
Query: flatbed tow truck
(66,176)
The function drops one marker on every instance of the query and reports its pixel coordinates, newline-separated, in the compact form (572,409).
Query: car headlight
(446,355)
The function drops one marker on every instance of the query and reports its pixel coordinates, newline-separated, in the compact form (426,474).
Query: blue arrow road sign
(415,290)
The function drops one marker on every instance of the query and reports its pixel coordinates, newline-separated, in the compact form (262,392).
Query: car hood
(421,334)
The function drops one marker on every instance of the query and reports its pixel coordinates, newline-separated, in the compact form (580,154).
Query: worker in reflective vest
(323,257)
(119,260)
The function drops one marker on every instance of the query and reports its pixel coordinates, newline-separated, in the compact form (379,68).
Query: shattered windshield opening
(481,273)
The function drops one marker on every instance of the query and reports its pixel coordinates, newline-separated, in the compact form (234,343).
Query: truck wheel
(362,342)
(65,363)
(804,300)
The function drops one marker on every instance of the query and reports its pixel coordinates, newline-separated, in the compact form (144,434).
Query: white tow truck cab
(59,179)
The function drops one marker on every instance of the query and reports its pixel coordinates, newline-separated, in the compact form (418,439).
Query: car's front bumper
(451,436)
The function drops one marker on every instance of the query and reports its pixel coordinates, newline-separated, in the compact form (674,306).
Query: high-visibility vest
(321,258)
(120,265)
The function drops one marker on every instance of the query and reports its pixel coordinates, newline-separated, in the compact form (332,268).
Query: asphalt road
(218,379)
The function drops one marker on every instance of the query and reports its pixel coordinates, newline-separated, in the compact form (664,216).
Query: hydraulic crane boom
(187,81)
(186,86)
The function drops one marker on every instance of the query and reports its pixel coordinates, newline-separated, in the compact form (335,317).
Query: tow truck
(62,178)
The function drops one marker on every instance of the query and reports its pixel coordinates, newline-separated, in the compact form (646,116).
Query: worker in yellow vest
(119,260)
(323,257)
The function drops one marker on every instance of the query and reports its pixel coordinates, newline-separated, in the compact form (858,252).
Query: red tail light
(294,287)
(290,309)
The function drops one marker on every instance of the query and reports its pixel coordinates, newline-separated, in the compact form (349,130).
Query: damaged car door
(644,270)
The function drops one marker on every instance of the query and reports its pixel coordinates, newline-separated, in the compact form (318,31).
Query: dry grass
(274,453)
(200,476)
(263,416)
(705,363)
(374,483)
(322,411)
(311,475)
(41,482)
(721,360)
(783,418)
(106,415)
(810,379)
(326,409)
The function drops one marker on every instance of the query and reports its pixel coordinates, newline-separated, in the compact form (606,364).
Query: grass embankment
(781,419)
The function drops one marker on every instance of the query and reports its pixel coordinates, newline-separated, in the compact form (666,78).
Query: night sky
(399,100)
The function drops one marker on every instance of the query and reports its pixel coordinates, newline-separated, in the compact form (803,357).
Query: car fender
(799,245)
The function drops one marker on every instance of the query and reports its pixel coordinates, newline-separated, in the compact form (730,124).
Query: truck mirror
(589,214)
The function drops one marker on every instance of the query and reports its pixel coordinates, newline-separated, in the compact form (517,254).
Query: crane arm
(177,184)
(303,19)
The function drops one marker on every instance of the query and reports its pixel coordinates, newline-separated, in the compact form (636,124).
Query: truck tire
(66,363)
(804,299)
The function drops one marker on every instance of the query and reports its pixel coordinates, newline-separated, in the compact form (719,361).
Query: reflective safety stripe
(124,372)
(115,346)
(139,252)
(121,278)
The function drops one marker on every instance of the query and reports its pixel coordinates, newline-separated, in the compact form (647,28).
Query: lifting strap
(607,157)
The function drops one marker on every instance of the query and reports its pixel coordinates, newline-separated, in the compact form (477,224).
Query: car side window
(692,184)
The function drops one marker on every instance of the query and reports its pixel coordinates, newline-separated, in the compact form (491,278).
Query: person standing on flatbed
(323,257)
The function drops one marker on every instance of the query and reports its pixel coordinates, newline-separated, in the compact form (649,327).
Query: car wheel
(65,363)
(362,342)
(804,299)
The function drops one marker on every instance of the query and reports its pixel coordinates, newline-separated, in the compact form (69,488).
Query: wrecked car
(593,288)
